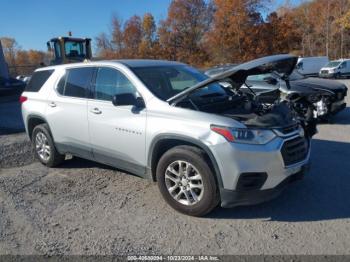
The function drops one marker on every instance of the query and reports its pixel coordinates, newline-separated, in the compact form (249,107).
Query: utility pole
(4,71)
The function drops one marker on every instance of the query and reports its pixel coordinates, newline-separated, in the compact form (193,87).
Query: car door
(117,133)
(67,112)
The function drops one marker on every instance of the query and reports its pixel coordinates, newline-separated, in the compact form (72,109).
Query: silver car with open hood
(203,143)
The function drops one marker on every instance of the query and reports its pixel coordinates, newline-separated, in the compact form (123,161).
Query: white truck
(336,69)
(310,66)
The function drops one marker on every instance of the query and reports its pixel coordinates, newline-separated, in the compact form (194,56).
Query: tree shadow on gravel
(322,195)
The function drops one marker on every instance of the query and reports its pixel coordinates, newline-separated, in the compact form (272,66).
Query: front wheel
(186,181)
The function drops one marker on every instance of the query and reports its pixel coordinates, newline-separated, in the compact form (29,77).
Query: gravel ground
(86,208)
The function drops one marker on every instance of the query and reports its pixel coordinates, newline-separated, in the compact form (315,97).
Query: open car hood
(283,65)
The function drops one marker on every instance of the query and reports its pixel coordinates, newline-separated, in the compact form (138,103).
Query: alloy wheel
(184,182)
(42,146)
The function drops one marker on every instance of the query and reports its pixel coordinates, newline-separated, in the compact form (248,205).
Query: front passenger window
(110,82)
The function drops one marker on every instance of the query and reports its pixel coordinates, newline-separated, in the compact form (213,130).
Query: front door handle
(52,104)
(96,111)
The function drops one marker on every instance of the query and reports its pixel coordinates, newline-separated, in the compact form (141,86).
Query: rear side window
(75,82)
(38,80)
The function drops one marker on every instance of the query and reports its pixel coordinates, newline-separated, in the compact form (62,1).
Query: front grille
(324,71)
(294,150)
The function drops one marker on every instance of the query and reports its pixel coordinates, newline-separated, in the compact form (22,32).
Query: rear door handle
(52,104)
(96,111)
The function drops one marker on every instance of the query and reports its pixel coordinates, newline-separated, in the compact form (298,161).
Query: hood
(317,85)
(280,64)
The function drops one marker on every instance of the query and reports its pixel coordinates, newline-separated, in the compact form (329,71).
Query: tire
(44,147)
(337,76)
(202,195)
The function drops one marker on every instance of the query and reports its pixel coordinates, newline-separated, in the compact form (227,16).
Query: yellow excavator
(64,50)
(69,49)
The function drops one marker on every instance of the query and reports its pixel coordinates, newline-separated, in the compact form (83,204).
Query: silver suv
(203,143)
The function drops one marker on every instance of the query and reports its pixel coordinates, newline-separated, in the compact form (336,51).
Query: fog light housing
(251,181)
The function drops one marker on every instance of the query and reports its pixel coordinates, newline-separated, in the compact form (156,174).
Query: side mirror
(270,80)
(128,99)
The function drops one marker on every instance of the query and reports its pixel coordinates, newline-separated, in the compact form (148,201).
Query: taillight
(224,131)
(22,99)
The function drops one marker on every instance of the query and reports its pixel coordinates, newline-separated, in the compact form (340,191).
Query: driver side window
(110,82)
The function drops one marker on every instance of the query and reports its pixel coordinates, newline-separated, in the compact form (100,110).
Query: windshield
(75,49)
(333,64)
(260,77)
(167,81)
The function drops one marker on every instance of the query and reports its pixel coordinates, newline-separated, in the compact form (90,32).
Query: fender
(29,117)
(190,140)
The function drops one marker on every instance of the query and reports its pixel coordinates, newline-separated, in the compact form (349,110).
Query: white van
(310,66)
(337,68)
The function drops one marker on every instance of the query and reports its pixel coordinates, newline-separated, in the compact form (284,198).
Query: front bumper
(326,75)
(232,198)
(267,161)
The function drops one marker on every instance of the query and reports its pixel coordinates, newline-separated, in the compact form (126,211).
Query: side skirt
(122,165)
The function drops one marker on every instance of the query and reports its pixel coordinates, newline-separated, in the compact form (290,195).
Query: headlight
(331,70)
(245,135)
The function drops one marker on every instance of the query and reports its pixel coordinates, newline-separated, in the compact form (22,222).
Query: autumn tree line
(205,33)
(210,32)
(22,62)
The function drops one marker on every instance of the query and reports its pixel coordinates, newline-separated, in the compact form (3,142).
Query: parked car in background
(326,97)
(310,66)
(11,86)
(336,69)
(204,144)
(23,78)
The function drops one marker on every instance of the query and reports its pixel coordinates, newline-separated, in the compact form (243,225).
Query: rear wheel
(44,147)
(186,181)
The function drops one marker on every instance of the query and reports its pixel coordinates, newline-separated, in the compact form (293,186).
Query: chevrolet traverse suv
(203,143)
